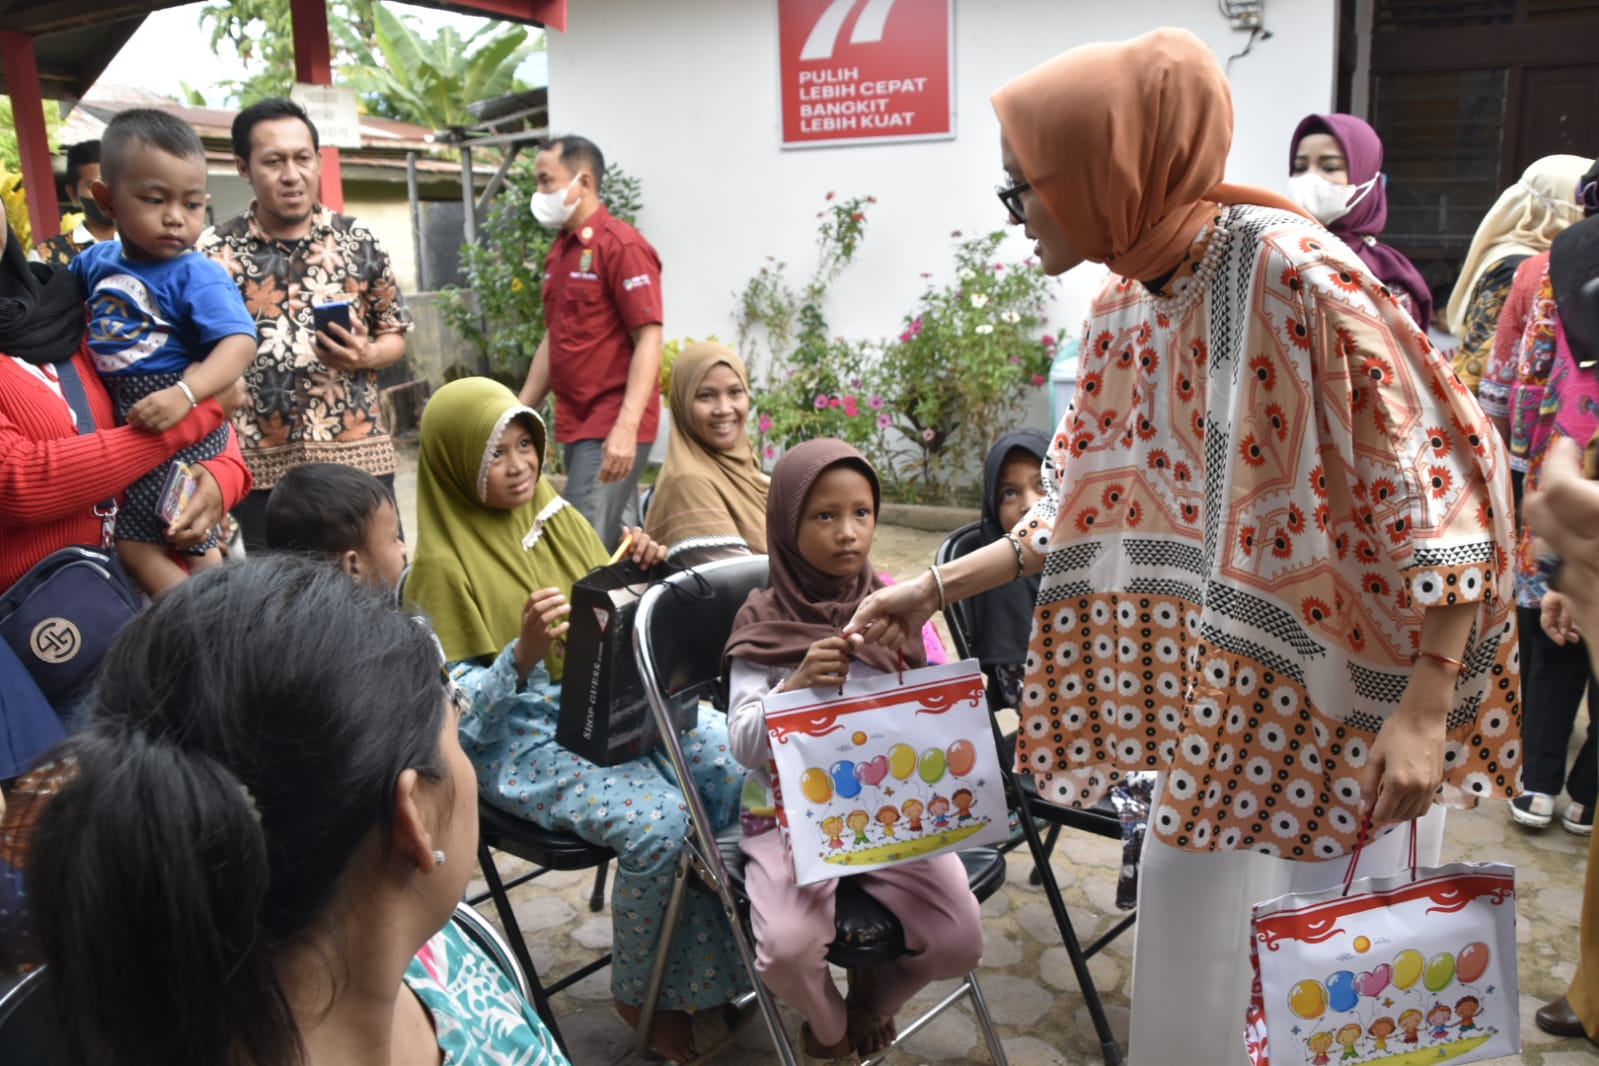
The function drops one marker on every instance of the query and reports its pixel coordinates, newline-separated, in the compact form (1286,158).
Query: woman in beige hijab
(1277,531)
(711,493)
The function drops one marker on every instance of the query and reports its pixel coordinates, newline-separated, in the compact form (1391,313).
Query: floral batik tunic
(1268,475)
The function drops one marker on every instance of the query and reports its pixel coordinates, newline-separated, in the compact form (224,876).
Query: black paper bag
(605,715)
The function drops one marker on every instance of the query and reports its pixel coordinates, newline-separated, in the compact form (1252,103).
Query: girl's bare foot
(671,1032)
(868,1031)
(816,1051)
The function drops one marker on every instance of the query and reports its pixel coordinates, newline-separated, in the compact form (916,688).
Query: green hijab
(475,565)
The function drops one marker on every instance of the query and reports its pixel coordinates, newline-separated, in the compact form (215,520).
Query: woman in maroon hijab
(1336,168)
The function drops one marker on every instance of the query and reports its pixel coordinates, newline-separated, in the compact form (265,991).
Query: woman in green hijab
(498,550)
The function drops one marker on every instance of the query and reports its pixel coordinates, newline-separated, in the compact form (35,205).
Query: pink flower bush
(765,423)
(834,402)
(850,410)
(928,434)
(875,403)
(1039,379)
(821,401)
(884,422)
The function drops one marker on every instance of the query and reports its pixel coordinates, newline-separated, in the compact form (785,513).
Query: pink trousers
(794,925)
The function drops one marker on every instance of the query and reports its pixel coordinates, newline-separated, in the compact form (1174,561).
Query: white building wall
(685,96)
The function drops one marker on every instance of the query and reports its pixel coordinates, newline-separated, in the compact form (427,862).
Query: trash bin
(1062,380)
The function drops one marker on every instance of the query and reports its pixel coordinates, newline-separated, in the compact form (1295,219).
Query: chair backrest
(23,1032)
(683,623)
(477,929)
(961,617)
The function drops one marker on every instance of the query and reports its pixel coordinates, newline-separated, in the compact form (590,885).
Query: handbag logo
(55,640)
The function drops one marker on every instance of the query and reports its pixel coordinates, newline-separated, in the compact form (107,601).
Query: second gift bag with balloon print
(888,770)
(1417,967)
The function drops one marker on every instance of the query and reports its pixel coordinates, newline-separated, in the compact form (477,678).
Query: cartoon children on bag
(1348,1036)
(887,815)
(1379,1031)
(858,821)
(1320,1044)
(833,830)
(1468,1008)
(939,809)
(964,799)
(1438,1020)
(1410,1022)
(912,809)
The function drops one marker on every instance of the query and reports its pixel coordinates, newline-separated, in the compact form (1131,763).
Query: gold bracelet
(1446,660)
(938,582)
(1016,546)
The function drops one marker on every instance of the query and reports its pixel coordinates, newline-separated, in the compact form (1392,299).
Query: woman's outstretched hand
(889,616)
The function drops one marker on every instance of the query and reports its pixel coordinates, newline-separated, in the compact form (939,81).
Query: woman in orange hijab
(1277,531)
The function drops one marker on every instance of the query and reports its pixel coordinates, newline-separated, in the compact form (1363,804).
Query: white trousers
(1191,974)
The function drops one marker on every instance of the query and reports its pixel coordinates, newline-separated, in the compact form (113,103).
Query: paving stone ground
(1025,973)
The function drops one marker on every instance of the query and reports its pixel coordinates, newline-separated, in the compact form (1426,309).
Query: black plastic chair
(679,632)
(546,849)
(1100,819)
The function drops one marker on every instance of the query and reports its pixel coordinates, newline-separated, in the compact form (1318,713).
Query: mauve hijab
(1359,229)
(800,605)
(1126,143)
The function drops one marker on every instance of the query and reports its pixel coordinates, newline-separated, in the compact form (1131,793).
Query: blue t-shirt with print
(156,318)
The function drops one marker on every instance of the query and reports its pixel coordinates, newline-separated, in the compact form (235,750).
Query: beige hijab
(701,491)
(1524,221)
(1126,143)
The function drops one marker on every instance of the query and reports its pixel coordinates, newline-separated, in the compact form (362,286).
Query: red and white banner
(866,70)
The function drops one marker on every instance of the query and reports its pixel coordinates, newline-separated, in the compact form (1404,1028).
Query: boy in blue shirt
(167,326)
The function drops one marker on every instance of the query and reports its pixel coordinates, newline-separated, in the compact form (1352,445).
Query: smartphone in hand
(324,314)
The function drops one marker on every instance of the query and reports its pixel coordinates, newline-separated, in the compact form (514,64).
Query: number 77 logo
(868,28)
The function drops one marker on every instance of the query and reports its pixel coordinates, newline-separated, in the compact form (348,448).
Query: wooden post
(33,142)
(313,64)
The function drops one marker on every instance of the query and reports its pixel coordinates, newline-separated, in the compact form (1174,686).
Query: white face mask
(1327,201)
(551,210)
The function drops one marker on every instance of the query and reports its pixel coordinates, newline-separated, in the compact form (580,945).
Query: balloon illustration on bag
(1308,999)
(932,766)
(1341,994)
(815,785)
(1440,972)
(1472,962)
(858,738)
(1371,982)
(1408,965)
(962,757)
(846,779)
(902,761)
(874,771)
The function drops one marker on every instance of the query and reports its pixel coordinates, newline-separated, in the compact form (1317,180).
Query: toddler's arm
(165,408)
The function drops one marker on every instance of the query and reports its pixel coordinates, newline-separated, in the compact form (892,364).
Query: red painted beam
(33,142)
(550,13)
(313,64)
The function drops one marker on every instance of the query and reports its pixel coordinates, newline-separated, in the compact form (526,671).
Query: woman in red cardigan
(51,476)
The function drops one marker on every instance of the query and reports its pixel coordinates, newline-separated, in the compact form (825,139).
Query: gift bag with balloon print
(1416,967)
(888,770)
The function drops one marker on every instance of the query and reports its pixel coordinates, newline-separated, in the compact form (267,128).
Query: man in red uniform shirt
(601,352)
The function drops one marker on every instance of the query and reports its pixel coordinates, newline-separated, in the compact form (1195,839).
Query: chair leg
(1036,878)
(513,933)
(663,948)
(597,897)
(985,1020)
(1068,935)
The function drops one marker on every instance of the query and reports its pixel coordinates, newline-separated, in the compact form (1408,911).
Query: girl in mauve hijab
(821,515)
(1278,534)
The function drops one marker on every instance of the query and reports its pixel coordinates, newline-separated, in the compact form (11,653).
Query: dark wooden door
(1557,113)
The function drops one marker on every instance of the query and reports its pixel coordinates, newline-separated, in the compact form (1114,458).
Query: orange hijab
(1125,143)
